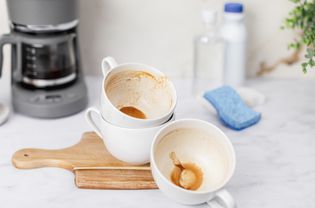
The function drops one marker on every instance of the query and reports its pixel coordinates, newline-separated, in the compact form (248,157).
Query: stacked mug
(136,122)
(136,101)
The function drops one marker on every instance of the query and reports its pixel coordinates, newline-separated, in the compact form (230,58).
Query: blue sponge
(231,109)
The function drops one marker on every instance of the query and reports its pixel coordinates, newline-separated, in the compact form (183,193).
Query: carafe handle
(12,39)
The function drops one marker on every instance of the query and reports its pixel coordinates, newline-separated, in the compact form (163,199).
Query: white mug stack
(137,85)
(154,136)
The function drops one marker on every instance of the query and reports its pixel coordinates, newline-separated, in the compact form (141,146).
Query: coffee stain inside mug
(133,112)
(186,175)
(134,88)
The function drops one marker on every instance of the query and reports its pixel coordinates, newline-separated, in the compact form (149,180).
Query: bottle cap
(233,7)
(209,16)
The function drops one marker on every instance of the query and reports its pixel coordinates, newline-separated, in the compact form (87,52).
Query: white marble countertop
(275,158)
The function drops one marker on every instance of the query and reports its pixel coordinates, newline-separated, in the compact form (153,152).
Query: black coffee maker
(47,79)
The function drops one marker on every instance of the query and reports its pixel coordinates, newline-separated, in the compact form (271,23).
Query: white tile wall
(160,32)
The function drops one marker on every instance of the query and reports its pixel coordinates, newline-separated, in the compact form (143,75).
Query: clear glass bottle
(208,56)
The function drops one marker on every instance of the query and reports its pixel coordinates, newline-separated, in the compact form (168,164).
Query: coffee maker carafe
(47,78)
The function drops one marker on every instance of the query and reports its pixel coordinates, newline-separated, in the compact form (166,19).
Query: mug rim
(228,142)
(174,103)
(140,128)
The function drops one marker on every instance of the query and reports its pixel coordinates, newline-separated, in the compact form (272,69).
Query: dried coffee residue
(139,78)
(160,81)
(133,112)
(186,175)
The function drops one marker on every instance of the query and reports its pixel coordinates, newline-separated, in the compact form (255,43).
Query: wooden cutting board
(93,166)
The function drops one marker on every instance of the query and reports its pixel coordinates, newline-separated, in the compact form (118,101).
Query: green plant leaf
(302,17)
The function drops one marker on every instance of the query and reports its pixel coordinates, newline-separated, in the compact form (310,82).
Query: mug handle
(222,199)
(107,64)
(91,121)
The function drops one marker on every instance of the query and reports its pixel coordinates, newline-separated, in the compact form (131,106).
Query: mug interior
(205,146)
(147,90)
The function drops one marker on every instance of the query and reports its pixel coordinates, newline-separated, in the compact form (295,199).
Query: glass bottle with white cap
(208,56)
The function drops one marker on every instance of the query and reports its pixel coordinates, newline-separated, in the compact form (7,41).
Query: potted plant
(302,19)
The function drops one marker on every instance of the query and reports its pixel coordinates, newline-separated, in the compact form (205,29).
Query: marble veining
(275,158)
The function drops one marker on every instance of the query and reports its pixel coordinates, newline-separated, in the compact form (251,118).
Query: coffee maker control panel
(53,98)
(50,104)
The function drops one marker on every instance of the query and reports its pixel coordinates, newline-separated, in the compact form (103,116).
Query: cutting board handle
(38,158)
(89,152)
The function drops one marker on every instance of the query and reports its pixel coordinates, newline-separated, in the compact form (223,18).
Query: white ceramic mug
(126,144)
(201,143)
(137,85)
